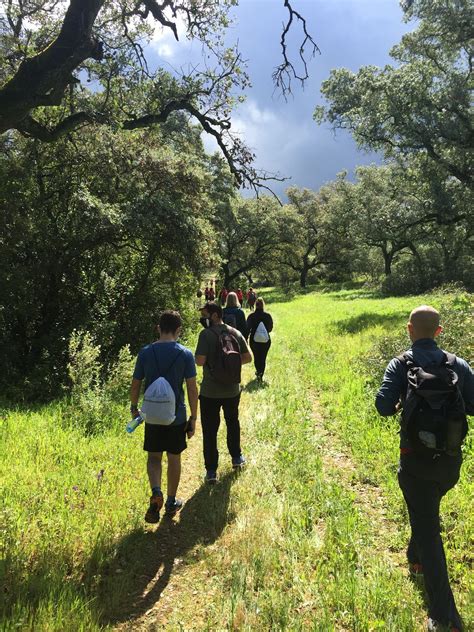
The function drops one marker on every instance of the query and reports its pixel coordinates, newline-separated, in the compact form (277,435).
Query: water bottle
(134,423)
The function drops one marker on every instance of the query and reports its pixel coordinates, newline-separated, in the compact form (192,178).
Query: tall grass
(285,545)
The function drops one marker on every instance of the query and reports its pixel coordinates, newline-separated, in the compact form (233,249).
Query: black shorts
(170,439)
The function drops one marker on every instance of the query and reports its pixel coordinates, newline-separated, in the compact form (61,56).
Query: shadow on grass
(145,560)
(356,324)
(255,385)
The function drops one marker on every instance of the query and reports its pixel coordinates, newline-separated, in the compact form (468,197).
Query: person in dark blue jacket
(234,315)
(425,480)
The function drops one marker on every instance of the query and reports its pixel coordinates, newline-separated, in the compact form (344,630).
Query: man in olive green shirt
(215,395)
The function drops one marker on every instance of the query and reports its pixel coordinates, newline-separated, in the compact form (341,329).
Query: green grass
(301,540)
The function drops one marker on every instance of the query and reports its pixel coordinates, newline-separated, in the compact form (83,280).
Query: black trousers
(260,350)
(424,483)
(210,419)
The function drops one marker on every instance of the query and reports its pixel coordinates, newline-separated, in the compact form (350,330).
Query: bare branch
(286,71)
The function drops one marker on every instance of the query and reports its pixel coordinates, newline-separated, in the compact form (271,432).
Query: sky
(282,133)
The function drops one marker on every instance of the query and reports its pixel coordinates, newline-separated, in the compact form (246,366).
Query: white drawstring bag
(159,403)
(261,333)
(159,400)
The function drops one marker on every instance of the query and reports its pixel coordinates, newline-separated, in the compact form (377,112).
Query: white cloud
(163,40)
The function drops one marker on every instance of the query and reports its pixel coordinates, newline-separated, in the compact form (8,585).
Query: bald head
(424,322)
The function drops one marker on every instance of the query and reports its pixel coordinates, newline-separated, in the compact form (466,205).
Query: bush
(94,403)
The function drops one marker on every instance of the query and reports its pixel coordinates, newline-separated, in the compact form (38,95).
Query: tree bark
(42,79)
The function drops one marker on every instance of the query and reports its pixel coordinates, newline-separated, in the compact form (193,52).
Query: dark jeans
(424,483)
(210,419)
(260,350)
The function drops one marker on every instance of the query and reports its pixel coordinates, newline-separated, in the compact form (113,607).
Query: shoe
(436,626)
(238,462)
(211,477)
(415,569)
(152,516)
(171,509)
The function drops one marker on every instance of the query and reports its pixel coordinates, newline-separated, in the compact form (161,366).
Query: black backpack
(433,415)
(230,319)
(228,365)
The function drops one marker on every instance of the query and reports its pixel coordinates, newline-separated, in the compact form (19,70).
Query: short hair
(170,321)
(260,303)
(213,308)
(232,300)
(425,320)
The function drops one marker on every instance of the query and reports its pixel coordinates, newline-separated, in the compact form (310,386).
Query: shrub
(97,396)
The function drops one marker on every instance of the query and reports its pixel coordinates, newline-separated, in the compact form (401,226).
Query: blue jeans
(423,483)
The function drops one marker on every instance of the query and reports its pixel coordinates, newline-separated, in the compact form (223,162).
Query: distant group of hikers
(433,389)
(210,294)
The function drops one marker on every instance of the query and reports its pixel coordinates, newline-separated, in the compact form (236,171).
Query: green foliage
(456,308)
(97,396)
(99,236)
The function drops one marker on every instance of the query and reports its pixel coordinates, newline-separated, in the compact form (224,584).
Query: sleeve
(391,389)
(243,324)
(202,345)
(139,371)
(269,323)
(243,344)
(189,365)
(468,387)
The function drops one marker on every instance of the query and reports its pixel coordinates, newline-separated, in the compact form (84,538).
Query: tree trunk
(304,276)
(387,259)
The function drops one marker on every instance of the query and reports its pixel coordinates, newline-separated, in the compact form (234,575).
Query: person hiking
(431,432)
(206,293)
(167,359)
(240,296)
(211,294)
(251,298)
(221,350)
(259,326)
(223,295)
(234,315)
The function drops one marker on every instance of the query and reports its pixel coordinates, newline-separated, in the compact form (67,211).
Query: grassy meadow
(310,536)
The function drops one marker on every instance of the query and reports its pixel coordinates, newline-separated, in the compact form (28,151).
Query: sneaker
(171,509)
(238,462)
(415,569)
(211,477)
(152,516)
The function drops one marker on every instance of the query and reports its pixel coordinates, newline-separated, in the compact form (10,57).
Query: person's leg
(210,420)
(423,499)
(231,415)
(174,473)
(152,515)
(257,356)
(266,348)
(153,467)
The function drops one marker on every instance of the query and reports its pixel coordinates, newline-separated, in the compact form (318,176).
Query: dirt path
(175,565)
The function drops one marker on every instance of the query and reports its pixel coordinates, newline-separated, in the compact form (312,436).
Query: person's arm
(245,354)
(389,394)
(201,352)
(243,324)
(134,395)
(468,387)
(269,323)
(138,376)
(246,357)
(192,391)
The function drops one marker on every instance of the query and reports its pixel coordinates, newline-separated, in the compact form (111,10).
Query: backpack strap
(450,358)
(405,359)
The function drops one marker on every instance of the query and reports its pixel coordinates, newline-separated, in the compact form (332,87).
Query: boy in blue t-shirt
(169,359)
